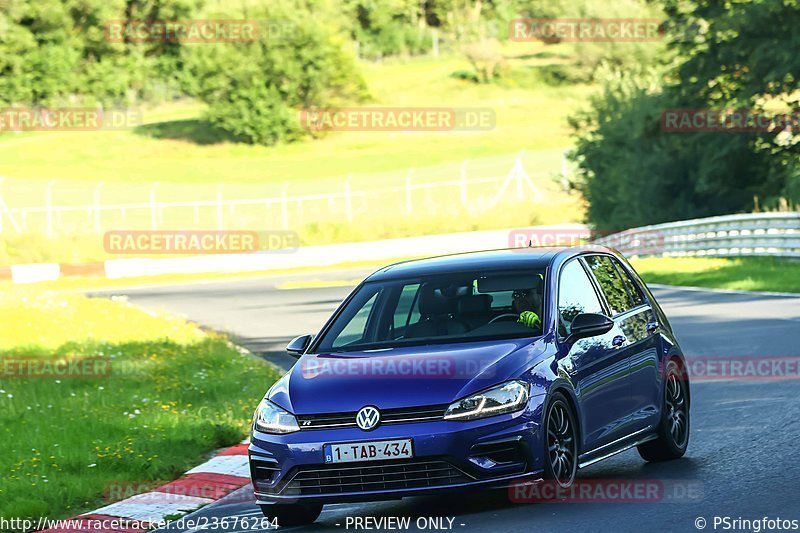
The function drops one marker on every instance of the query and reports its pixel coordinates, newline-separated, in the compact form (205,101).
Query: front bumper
(448,456)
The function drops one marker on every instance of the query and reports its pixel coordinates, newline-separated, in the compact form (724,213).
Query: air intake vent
(373,477)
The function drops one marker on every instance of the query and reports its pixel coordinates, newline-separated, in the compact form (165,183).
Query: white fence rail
(756,234)
(57,207)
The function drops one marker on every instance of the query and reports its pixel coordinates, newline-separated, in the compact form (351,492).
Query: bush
(634,173)
(56,51)
(256,90)
(486,58)
(590,56)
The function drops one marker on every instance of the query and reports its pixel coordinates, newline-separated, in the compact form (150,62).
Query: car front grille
(388,416)
(366,477)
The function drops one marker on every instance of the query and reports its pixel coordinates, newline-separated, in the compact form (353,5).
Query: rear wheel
(293,514)
(673,430)
(561,442)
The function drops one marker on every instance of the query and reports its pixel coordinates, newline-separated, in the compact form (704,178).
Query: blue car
(471,371)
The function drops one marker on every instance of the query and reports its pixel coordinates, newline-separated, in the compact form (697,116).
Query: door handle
(618,341)
(652,326)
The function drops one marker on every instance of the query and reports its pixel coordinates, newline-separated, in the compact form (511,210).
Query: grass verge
(176,145)
(177,156)
(169,394)
(744,273)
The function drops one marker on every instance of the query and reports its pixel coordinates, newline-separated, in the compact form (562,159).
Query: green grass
(191,160)
(174,394)
(176,146)
(745,273)
(35,319)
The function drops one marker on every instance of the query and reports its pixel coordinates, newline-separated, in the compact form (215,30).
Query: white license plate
(368,451)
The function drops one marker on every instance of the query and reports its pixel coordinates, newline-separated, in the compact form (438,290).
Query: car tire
(294,514)
(560,442)
(673,429)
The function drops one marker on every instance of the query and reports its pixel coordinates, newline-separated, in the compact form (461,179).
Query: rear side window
(575,295)
(633,289)
(615,284)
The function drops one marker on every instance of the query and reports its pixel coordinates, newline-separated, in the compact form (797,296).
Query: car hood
(399,377)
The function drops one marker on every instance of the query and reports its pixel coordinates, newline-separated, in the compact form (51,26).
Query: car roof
(505,259)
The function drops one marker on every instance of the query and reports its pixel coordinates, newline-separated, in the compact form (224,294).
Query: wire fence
(56,207)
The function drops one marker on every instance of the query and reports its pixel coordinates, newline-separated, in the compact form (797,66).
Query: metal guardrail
(756,234)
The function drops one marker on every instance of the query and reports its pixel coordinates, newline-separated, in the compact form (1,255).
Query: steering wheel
(504,315)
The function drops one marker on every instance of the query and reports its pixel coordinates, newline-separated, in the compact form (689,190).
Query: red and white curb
(222,474)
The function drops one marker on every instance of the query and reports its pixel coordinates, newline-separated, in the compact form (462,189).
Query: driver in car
(526,302)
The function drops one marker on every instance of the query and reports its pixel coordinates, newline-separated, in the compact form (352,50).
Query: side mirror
(298,345)
(589,325)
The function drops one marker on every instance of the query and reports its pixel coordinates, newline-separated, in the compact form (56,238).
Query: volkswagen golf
(471,371)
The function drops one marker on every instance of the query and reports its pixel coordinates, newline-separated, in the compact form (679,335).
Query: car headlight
(270,418)
(506,398)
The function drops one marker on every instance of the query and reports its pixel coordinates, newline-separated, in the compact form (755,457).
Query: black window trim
(617,265)
(599,295)
(635,279)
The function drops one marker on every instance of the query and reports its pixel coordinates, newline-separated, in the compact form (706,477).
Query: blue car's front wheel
(561,442)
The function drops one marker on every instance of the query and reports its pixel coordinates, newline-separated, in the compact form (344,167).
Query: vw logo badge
(368,418)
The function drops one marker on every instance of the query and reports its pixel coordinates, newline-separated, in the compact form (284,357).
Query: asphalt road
(743,460)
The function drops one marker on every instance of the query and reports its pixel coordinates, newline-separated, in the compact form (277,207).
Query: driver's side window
(576,295)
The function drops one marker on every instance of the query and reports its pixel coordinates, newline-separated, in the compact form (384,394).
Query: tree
(52,51)
(256,90)
(633,172)
(388,27)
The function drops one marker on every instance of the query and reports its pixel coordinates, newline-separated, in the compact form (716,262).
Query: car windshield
(455,307)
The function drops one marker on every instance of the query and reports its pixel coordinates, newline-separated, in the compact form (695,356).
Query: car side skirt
(618,446)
